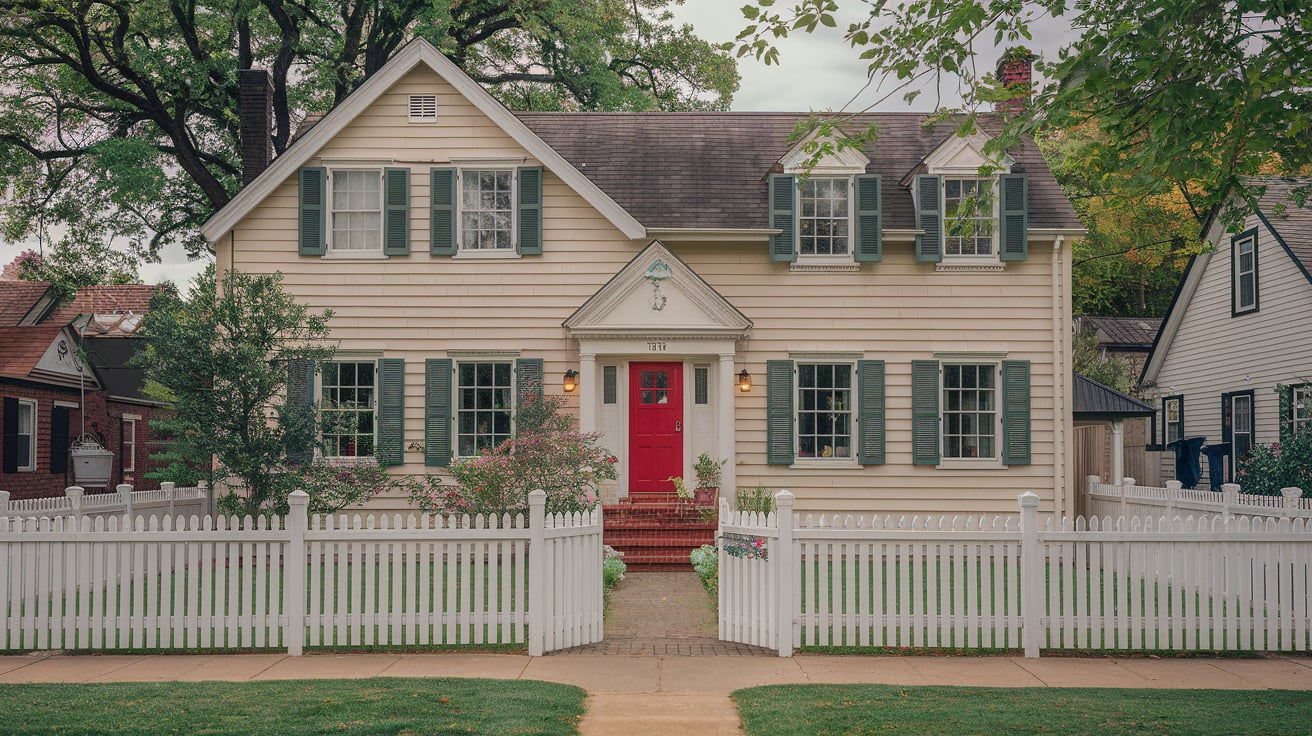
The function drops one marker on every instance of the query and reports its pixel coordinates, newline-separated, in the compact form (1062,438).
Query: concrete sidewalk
(658,694)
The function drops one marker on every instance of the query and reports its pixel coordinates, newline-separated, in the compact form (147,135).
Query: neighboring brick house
(61,364)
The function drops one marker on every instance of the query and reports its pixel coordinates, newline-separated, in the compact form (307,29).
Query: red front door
(655,426)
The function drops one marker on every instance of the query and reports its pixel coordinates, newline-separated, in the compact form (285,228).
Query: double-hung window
(1301,407)
(485,404)
(968,216)
(349,398)
(357,211)
(487,210)
(129,445)
(26,438)
(1172,419)
(824,410)
(824,220)
(1243,264)
(970,410)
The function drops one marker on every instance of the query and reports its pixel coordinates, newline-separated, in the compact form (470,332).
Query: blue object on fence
(1187,469)
(1216,455)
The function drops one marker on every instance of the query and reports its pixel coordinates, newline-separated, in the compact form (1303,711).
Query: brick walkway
(663,613)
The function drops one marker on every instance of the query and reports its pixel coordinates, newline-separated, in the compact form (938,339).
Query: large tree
(118,118)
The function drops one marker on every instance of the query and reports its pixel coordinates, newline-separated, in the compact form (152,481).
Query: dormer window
(967,220)
(823,224)
(968,216)
(827,212)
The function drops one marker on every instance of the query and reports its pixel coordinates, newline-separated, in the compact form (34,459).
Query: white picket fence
(168,500)
(1010,582)
(227,583)
(1131,500)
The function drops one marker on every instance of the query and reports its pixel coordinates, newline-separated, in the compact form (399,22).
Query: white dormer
(843,160)
(964,156)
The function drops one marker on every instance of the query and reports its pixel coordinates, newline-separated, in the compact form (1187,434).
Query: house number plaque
(656,347)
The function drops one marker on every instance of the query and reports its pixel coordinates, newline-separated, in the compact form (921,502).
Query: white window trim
(972,463)
(851,461)
(317,392)
(1237,275)
(456,389)
(995,257)
(130,440)
(375,254)
(461,250)
(28,464)
(1300,413)
(826,262)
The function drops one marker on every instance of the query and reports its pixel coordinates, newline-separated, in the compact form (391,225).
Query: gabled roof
(1093,400)
(118,299)
(1123,333)
(417,52)
(18,299)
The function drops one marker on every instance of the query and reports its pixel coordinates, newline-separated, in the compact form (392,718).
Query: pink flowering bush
(546,453)
(1268,468)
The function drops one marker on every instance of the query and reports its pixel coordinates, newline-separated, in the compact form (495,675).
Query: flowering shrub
(331,488)
(706,563)
(612,570)
(1268,468)
(547,453)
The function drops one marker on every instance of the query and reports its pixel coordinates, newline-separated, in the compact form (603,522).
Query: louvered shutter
(313,210)
(929,217)
(869,219)
(528,380)
(437,412)
(391,411)
(396,212)
(924,412)
(1286,411)
(783,247)
(1016,412)
(779,412)
(10,448)
(59,439)
(870,374)
(530,211)
(299,411)
(1014,235)
(442,202)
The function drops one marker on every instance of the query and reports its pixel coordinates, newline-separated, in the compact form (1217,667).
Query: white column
(1118,448)
(588,390)
(725,390)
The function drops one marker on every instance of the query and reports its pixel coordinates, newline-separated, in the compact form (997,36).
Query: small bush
(759,499)
(612,571)
(706,562)
(1268,468)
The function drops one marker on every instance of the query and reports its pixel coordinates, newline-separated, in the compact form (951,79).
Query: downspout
(1060,380)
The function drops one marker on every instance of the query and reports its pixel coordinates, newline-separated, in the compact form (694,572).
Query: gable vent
(423,108)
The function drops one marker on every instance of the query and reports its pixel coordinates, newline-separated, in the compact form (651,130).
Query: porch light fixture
(571,381)
(744,381)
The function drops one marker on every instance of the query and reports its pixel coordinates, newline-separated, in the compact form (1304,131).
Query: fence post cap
(167,485)
(1093,479)
(299,498)
(1291,492)
(1029,500)
(123,488)
(4,496)
(1174,484)
(537,498)
(1127,481)
(202,484)
(74,491)
(784,495)
(1230,487)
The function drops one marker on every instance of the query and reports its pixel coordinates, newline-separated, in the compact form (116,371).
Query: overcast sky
(816,72)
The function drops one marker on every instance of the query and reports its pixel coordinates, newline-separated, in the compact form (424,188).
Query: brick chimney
(255,105)
(1015,69)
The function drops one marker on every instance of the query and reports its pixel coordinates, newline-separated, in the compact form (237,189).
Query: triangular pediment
(840,160)
(62,363)
(656,293)
(964,156)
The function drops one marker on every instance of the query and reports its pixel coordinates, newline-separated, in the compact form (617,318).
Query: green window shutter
(870,373)
(298,411)
(924,412)
(783,247)
(442,201)
(437,412)
(1014,235)
(1286,411)
(528,379)
(779,412)
(59,439)
(869,219)
(396,212)
(391,411)
(530,211)
(1016,412)
(929,217)
(313,210)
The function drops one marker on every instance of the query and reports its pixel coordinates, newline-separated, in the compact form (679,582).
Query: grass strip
(372,707)
(824,710)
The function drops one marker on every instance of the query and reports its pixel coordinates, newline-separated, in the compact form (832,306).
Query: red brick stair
(656,532)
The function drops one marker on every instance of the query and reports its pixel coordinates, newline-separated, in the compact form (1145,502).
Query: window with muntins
(1244,258)
(970,411)
(129,445)
(1241,427)
(26,435)
(357,210)
(968,217)
(824,222)
(485,401)
(487,210)
(349,398)
(1172,419)
(824,410)
(1301,408)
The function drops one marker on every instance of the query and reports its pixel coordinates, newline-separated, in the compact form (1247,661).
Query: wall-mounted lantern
(744,381)
(571,381)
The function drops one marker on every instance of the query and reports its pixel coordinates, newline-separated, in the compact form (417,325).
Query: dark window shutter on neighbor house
(10,447)
(929,217)
(1286,411)
(59,439)
(783,247)
(1014,234)
(300,409)
(869,219)
(924,412)
(1016,412)
(396,212)
(442,201)
(779,412)
(870,374)
(530,211)
(391,411)
(437,412)
(528,379)
(313,210)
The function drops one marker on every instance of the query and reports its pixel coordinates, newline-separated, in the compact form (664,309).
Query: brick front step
(657,534)
(690,538)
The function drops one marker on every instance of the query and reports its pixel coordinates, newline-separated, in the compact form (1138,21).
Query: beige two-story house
(887,330)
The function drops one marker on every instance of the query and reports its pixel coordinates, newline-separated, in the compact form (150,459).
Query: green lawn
(374,707)
(826,710)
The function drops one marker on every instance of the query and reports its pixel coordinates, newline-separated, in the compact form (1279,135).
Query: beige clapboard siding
(1213,352)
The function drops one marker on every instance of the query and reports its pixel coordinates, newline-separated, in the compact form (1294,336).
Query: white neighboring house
(1240,325)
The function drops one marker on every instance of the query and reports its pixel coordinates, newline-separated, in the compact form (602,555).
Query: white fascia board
(414,53)
(716,235)
(1171,325)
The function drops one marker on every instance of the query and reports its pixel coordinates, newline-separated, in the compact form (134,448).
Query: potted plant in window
(707,470)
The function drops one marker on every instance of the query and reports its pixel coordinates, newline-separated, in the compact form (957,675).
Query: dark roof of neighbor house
(1123,333)
(1092,400)
(710,169)
(1292,224)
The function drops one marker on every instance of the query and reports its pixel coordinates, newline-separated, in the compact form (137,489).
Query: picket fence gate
(225,583)
(1012,582)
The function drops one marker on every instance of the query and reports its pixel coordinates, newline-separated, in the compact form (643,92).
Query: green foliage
(120,121)
(73,264)
(708,470)
(1285,464)
(706,563)
(546,453)
(612,571)
(221,358)
(1088,360)
(759,499)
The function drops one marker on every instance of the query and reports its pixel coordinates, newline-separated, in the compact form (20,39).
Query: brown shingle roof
(709,169)
(1292,223)
(24,347)
(17,299)
(1126,333)
(116,299)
